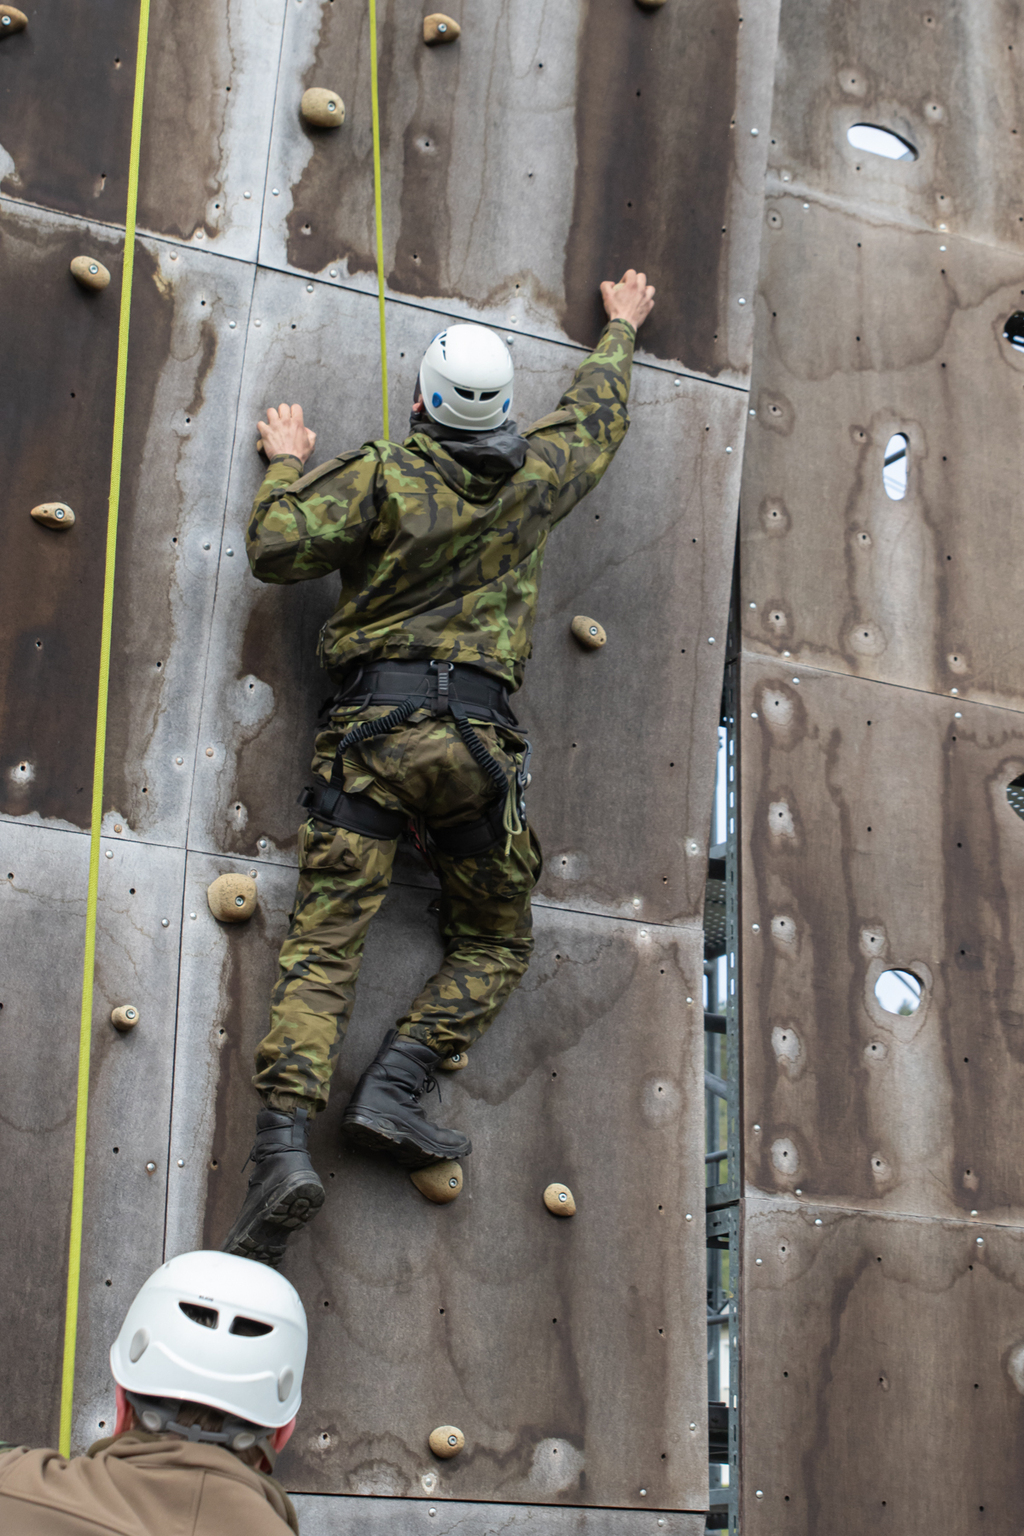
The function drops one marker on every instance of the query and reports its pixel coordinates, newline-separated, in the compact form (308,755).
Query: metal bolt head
(453,1439)
(130,1013)
(109,855)
(179,761)
(93,268)
(263,842)
(332,106)
(58,513)
(452,1184)
(5,21)
(758,1494)
(181,1162)
(239,901)
(562,1197)
(165,922)
(442,26)
(192,915)
(151,1167)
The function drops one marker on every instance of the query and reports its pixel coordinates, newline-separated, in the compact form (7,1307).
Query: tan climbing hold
(322,108)
(439,28)
(90,272)
(559,1201)
(125,1018)
(232,898)
(588,632)
(53,514)
(441,1182)
(455,1063)
(11,20)
(446,1440)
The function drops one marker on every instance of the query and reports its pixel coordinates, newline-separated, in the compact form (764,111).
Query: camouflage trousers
(423,768)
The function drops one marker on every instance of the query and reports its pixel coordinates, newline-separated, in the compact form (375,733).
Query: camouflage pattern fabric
(437,561)
(423,768)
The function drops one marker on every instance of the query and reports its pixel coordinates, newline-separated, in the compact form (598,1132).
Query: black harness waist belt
(443,687)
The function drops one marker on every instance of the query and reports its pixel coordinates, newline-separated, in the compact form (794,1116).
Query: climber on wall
(439,541)
(208,1370)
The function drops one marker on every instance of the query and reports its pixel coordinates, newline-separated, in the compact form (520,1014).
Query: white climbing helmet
(216,1329)
(466,378)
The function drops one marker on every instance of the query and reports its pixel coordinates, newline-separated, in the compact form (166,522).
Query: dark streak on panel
(66,106)
(57,402)
(654,158)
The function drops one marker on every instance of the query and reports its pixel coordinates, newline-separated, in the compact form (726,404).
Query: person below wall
(208,1370)
(439,541)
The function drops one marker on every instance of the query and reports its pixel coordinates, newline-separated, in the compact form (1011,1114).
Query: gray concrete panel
(323,1515)
(877,835)
(531,159)
(42,896)
(865,331)
(210,76)
(882,1374)
(945,78)
(184,368)
(423,1315)
(649,554)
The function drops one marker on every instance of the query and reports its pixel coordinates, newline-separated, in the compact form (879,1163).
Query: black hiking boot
(284,1191)
(385,1114)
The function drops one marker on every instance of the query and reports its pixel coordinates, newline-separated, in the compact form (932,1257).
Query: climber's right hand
(631,298)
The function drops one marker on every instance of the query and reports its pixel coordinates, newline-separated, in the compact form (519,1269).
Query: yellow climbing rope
(85,1027)
(378,212)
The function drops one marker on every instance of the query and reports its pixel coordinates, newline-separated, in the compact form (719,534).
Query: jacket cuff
(625,323)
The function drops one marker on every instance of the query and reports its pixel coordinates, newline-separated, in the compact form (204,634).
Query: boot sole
(377,1134)
(263,1234)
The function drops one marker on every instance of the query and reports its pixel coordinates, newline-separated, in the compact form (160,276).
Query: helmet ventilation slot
(206,1317)
(488,394)
(249,1328)
(467,394)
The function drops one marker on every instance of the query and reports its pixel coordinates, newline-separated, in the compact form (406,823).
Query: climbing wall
(547,148)
(879,725)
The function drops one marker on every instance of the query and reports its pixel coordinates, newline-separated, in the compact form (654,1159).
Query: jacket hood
(483,461)
(174,1452)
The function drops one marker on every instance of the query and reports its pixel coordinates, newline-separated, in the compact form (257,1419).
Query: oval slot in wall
(880,141)
(895,465)
(899,992)
(1013,330)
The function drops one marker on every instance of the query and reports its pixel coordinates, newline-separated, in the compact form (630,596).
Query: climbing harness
(443,687)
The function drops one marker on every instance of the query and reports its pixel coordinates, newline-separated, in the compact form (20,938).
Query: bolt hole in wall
(899,992)
(880,141)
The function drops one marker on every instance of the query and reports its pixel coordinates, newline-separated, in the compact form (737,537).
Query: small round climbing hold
(455,1063)
(90,272)
(322,108)
(53,514)
(588,632)
(446,1440)
(559,1201)
(11,20)
(232,898)
(441,1182)
(439,28)
(125,1018)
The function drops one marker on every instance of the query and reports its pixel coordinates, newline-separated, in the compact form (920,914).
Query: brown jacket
(140,1485)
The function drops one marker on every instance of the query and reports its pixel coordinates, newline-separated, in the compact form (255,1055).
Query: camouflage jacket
(435,560)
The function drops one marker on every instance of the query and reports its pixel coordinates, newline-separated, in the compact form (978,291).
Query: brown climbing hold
(455,1063)
(441,1182)
(125,1018)
(559,1201)
(446,1440)
(322,108)
(53,514)
(439,28)
(588,632)
(232,898)
(11,20)
(90,272)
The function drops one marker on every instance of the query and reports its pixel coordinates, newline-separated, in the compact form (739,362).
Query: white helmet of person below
(466,379)
(219,1330)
